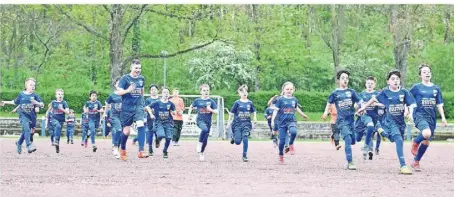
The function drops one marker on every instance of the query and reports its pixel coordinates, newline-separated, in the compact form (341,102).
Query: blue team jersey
(162,111)
(201,106)
(427,98)
(116,103)
(242,111)
(148,102)
(132,100)
(286,110)
(395,103)
(57,113)
(24,101)
(344,100)
(371,111)
(70,120)
(93,108)
(268,112)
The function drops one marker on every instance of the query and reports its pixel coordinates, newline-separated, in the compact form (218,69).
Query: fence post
(104,127)
(43,126)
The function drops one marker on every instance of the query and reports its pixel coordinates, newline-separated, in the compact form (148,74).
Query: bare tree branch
(172,54)
(197,16)
(133,20)
(45,53)
(108,10)
(86,27)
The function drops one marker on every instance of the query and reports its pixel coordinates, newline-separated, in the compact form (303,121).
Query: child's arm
(255,118)
(443,117)
(2,103)
(326,112)
(15,109)
(85,108)
(365,105)
(304,116)
(230,119)
(149,110)
(121,91)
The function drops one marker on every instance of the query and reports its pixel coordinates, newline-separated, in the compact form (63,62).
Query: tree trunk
(93,54)
(401,30)
(256,44)
(136,39)
(448,33)
(335,49)
(115,42)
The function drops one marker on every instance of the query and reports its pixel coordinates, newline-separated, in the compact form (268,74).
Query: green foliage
(220,65)
(272,43)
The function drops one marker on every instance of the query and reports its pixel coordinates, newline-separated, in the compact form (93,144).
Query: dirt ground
(316,169)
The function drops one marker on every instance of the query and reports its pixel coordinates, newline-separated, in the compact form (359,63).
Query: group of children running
(382,112)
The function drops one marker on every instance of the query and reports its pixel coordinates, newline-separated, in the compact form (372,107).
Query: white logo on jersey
(401,98)
(435,92)
(348,94)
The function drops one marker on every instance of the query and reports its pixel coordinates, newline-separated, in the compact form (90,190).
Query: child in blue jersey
(151,130)
(114,105)
(286,106)
(205,107)
(27,101)
(93,108)
(428,97)
(241,124)
(131,89)
(366,123)
(273,101)
(395,100)
(162,113)
(59,108)
(84,128)
(268,116)
(344,99)
(70,123)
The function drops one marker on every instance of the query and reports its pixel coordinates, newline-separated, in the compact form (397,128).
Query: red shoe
(292,149)
(123,155)
(141,155)
(414,148)
(415,165)
(281,159)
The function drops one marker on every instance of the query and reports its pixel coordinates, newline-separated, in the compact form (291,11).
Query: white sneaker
(198,147)
(116,153)
(201,156)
